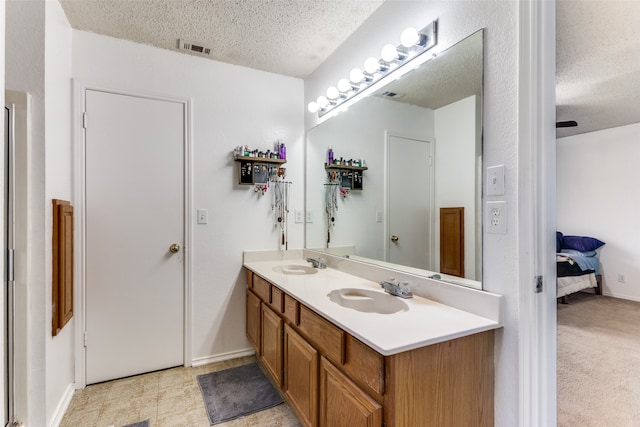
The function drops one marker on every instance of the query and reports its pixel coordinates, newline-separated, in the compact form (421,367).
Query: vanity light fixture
(373,65)
(322,102)
(333,93)
(360,83)
(357,76)
(390,53)
(344,86)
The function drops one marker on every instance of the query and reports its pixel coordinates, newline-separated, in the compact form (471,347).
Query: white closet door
(134,214)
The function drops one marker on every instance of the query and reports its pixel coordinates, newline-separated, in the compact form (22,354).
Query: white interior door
(134,212)
(409,201)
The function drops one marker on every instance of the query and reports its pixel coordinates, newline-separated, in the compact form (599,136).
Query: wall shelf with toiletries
(258,167)
(349,177)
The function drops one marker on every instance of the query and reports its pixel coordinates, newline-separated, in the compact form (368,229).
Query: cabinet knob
(174,248)
(394,238)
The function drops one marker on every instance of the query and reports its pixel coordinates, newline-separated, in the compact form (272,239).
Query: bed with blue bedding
(577,264)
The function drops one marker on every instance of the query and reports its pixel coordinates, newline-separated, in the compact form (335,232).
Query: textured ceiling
(597,64)
(289,37)
(598,42)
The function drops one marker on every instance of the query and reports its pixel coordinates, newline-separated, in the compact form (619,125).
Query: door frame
(386,233)
(537,213)
(79,182)
(24,360)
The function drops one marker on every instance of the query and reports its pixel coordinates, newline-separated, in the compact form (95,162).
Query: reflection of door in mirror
(409,202)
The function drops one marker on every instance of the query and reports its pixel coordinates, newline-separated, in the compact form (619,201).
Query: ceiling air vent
(193,47)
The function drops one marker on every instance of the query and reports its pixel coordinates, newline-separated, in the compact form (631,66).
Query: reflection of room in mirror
(439,103)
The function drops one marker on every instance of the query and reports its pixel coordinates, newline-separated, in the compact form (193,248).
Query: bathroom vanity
(345,353)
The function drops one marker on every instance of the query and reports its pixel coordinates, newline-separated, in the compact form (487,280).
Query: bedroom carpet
(598,362)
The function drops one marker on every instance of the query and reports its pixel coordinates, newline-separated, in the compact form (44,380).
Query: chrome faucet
(394,287)
(318,262)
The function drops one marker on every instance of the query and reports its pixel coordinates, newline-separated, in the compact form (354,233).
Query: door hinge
(85,339)
(538,284)
(10,265)
(84,120)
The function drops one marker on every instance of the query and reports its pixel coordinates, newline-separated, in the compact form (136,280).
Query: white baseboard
(62,407)
(222,357)
(621,296)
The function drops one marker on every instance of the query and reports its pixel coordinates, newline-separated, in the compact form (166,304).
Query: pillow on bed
(568,251)
(558,241)
(581,243)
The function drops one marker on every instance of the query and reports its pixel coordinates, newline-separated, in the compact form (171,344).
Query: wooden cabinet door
(342,403)
(301,376)
(253,320)
(271,343)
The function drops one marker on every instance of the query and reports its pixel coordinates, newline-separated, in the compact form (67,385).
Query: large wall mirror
(420,138)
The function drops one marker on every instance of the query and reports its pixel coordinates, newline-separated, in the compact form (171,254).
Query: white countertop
(426,322)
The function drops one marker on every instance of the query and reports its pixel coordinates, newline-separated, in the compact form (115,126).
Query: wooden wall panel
(62,275)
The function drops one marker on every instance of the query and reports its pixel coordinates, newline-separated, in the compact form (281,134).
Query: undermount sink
(295,269)
(367,301)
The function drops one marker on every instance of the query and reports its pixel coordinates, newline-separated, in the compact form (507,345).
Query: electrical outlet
(309,216)
(378,216)
(299,215)
(203,216)
(621,278)
(496,217)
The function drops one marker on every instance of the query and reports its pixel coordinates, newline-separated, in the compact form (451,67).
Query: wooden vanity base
(331,379)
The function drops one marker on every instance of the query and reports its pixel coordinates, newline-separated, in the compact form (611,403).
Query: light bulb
(333,93)
(313,107)
(409,37)
(322,101)
(344,85)
(389,53)
(371,65)
(356,75)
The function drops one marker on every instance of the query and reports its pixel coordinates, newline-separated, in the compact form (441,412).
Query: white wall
(60,350)
(362,133)
(24,71)
(501,254)
(455,172)
(231,106)
(597,196)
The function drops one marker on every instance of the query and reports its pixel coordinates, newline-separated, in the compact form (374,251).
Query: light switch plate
(299,216)
(309,216)
(203,216)
(378,216)
(495,180)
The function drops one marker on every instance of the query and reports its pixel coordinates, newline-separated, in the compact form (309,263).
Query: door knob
(174,248)
(394,238)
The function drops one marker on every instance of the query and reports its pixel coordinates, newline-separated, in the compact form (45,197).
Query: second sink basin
(367,301)
(295,269)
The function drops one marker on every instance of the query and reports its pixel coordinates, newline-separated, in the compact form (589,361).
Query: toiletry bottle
(330,156)
(283,155)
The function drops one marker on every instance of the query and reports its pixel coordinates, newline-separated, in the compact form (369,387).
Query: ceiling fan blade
(566,124)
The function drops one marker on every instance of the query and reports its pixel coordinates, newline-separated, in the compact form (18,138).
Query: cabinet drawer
(326,337)
(249,275)
(364,365)
(291,310)
(277,299)
(262,288)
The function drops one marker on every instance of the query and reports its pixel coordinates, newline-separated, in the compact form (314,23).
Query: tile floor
(169,398)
